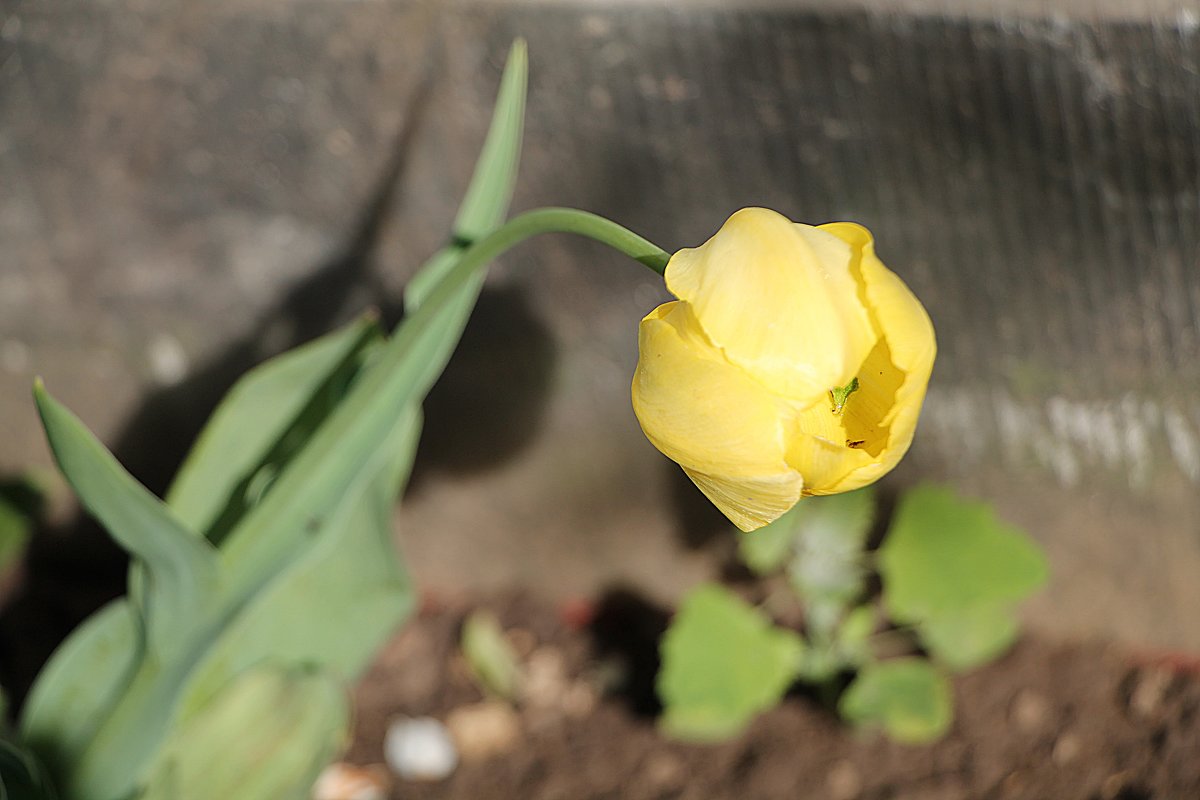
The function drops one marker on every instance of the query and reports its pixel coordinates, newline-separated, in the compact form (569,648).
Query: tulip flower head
(794,363)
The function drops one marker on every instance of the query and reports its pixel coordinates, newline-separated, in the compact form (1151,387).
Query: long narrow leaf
(182,569)
(405,368)
(485,204)
(340,601)
(264,420)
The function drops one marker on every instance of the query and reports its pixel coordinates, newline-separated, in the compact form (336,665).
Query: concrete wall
(186,190)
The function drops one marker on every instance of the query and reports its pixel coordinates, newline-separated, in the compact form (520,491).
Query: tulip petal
(724,428)
(896,373)
(751,503)
(779,299)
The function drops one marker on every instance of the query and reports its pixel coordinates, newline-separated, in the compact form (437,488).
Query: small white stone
(420,749)
(168,361)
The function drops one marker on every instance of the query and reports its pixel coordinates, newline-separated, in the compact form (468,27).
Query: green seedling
(951,576)
(490,657)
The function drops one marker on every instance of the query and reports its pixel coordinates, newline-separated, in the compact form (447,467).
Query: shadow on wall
(485,408)
(491,399)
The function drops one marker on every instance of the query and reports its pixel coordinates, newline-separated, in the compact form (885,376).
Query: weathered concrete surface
(187,190)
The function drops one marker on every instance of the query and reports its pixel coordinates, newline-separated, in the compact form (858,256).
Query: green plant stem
(565,220)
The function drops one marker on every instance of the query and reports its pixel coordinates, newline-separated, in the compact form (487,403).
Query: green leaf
(267,734)
(967,640)
(846,646)
(821,542)
(491,658)
(722,664)
(80,683)
(114,760)
(945,555)
(339,602)
(907,697)
(831,537)
(829,532)
(485,204)
(853,636)
(261,423)
(14,535)
(819,663)
(182,569)
(767,549)
(336,458)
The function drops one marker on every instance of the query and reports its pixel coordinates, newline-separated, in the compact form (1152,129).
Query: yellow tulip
(743,380)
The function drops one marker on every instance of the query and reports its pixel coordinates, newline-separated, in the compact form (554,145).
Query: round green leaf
(908,698)
(944,555)
(722,663)
(967,640)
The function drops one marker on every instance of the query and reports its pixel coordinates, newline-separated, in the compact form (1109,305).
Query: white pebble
(168,361)
(420,749)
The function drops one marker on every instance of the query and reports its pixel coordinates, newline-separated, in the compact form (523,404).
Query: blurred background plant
(950,576)
(22,504)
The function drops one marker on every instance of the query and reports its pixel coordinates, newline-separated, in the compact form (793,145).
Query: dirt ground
(1046,721)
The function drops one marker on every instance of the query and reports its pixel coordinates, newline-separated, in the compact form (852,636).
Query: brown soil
(1047,721)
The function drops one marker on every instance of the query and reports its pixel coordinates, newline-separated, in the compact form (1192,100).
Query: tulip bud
(794,363)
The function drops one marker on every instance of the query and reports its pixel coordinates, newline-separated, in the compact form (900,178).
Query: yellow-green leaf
(944,555)
(267,734)
(907,697)
(722,664)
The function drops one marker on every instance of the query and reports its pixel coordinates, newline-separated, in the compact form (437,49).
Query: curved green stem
(567,220)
